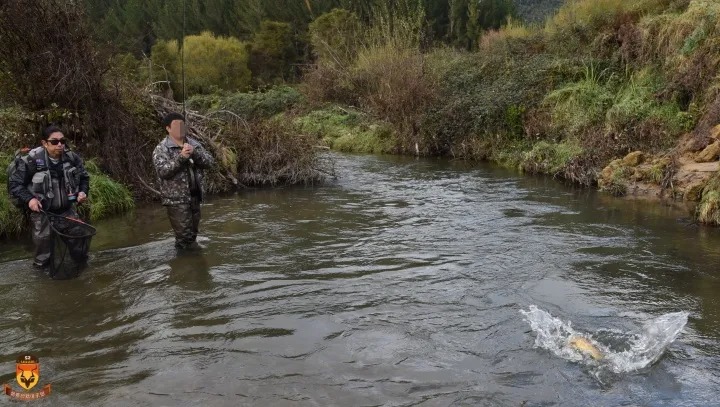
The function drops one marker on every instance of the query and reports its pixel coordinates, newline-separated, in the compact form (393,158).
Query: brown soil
(687,181)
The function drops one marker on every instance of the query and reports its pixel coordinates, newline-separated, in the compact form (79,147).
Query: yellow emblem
(27,371)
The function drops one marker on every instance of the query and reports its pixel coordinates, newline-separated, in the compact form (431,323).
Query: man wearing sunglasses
(50,178)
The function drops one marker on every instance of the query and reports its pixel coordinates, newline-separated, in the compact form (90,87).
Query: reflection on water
(399,284)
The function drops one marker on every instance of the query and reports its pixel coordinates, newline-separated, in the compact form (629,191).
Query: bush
(612,116)
(709,209)
(335,38)
(468,18)
(397,88)
(272,152)
(579,106)
(639,120)
(347,130)
(107,197)
(583,27)
(550,158)
(211,63)
(488,96)
(253,105)
(12,221)
(164,65)
(272,53)
(14,129)
(31,43)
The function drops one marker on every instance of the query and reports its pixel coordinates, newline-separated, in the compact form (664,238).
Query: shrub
(638,119)
(580,23)
(468,18)
(272,53)
(612,115)
(253,105)
(580,105)
(164,58)
(12,221)
(31,43)
(335,38)
(397,88)
(271,152)
(14,127)
(489,95)
(210,63)
(348,130)
(399,24)
(550,158)
(709,209)
(107,197)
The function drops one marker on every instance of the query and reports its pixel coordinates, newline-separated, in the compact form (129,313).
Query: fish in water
(584,345)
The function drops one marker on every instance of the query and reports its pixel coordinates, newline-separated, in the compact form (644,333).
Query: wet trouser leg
(185,221)
(195,209)
(42,238)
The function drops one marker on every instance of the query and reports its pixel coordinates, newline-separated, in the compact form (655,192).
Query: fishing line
(182,59)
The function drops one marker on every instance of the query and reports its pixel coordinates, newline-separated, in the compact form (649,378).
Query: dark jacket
(66,179)
(178,174)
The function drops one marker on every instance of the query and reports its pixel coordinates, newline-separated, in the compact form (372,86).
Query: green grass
(709,209)
(580,105)
(250,105)
(12,221)
(549,158)
(348,131)
(107,197)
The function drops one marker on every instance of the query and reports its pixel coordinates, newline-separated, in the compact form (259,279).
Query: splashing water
(638,349)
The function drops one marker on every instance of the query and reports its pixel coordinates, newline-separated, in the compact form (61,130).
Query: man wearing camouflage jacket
(179,162)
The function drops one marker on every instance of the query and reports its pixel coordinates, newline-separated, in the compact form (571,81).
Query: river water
(401,283)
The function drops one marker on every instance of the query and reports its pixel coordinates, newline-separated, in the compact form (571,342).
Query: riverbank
(614,95)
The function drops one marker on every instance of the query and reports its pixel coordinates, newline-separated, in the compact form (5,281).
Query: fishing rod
(182,59)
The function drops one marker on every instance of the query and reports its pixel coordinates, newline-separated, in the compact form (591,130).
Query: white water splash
(638,349)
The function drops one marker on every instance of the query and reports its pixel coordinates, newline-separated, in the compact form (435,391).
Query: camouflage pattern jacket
(178,174)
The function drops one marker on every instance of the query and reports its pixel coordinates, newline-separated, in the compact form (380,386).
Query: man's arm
(202,158)
(166,166)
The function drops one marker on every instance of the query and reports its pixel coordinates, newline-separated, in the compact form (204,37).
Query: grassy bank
(572,97)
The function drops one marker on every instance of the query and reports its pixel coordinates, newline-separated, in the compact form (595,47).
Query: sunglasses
(56,141)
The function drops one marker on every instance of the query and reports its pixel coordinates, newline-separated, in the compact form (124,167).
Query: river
(400,283)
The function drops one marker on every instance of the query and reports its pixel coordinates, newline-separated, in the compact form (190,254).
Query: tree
(211,63)
(272,53)
(468,18)
(334,37)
